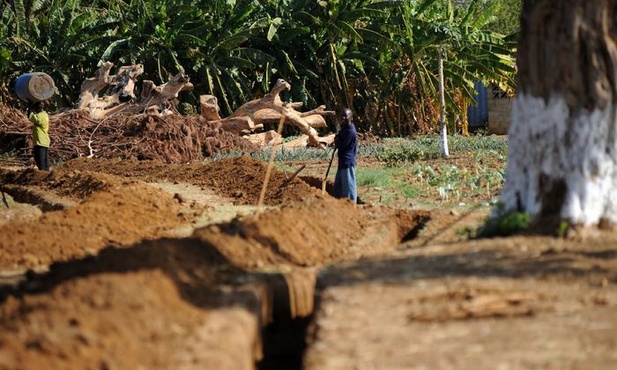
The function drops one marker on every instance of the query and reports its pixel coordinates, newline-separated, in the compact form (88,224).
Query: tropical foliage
(377,56)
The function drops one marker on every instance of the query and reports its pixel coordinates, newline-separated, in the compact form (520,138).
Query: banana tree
(470,52)
(207,40)
(326,46)
(6,19)
(59,38)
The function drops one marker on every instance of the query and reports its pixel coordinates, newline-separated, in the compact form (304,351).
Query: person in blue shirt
(346,142)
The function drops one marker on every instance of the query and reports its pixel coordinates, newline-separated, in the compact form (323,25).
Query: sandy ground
(121,264)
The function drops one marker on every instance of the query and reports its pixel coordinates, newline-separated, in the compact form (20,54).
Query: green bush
(394,156)
(397,151)
(505,224)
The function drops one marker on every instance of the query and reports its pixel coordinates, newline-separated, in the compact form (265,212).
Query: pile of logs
(158,100)
(111,121)
(253,115)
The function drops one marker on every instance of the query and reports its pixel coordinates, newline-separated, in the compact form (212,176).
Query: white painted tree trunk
(562,143)
(554,156)
(442,110)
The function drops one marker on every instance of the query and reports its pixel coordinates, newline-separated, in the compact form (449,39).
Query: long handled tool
(290,178)
(262,195)
(323,183)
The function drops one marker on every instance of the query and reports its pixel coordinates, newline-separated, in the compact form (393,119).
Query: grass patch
(395,151)
(391,183)
(505,225)
(375,177)
(413,169)
(411,191)
(282,154)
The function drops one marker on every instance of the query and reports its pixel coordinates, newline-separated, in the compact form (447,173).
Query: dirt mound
(240,178)
(161,304)
(314,232)
(308,230)
(113,212)
(67,183)
(153,306)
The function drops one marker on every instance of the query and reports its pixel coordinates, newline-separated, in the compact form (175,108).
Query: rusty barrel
(34,86)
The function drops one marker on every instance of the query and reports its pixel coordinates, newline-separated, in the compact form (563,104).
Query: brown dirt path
(513,303)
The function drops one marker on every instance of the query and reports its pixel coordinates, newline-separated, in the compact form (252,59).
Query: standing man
(346,142)
(40,135)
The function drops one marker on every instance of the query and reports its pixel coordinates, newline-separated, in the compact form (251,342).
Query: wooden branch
(293,117)
(270,100)
(6,203)
(123,83)
(316,121)
(237,125)
(209,107)
(122,86)
(121,94)
(320,111)
(262,194)
(299,142)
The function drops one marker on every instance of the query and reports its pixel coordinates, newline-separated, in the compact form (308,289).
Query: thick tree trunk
(562,147)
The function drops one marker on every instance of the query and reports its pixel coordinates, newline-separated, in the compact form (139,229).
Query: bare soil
(127,264)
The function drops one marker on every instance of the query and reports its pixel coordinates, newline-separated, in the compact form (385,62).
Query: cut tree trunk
(120,94)
(238,125)
(562,144)
(251,116)
(91,87)
(269,109)
(266,138)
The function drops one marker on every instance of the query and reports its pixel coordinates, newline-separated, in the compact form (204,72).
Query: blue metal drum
(34,86)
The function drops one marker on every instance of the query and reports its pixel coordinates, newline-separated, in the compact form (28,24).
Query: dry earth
(125,264)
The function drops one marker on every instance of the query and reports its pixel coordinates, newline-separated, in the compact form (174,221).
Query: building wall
(499,111)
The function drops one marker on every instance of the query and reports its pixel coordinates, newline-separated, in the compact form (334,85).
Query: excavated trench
(285,344)
(265,263)
(284,338)
(37,197)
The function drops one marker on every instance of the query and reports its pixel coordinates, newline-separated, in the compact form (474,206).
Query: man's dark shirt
(347,143)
